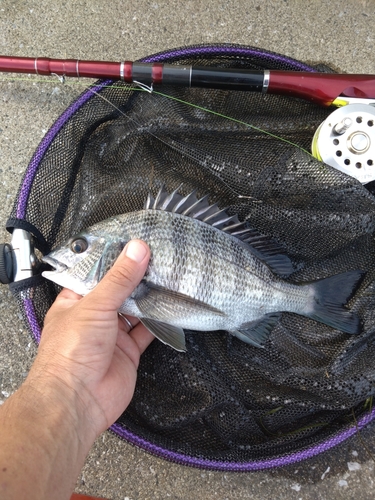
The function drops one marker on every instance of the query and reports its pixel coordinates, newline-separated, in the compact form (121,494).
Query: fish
(208,271)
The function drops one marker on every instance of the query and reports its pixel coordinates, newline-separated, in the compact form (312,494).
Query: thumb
(123,277)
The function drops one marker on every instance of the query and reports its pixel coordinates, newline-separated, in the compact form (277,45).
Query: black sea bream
(207,272)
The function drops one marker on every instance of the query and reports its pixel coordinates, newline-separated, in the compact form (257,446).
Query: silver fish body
(213,268)
(201,275)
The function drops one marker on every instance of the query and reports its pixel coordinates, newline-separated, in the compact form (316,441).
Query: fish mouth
(61,276)
(58,267)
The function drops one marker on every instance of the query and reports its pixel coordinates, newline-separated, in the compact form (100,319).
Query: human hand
(87,352)
(81,381)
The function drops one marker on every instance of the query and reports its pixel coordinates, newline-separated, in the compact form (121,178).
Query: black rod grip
(228,79)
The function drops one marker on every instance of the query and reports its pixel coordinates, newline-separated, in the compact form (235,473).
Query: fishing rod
(345,140)
(321,88)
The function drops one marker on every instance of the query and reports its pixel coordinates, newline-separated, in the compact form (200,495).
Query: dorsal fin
(267,250)
(193,207)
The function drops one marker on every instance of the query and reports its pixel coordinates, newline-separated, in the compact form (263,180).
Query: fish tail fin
(331,295)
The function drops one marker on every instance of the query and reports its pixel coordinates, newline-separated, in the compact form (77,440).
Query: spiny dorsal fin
(262,246)
(193,207)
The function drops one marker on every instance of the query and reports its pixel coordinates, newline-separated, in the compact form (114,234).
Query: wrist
(60,409)
(39,430)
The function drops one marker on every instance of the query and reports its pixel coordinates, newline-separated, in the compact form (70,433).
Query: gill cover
(79,271)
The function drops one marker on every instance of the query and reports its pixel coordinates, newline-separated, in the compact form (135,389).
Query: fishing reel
(346,140)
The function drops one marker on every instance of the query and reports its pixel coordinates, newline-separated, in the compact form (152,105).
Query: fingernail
(136,251)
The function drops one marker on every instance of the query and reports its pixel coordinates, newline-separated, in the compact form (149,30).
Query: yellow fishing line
(162,94)
(207,110)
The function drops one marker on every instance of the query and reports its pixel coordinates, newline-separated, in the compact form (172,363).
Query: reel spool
(346,141)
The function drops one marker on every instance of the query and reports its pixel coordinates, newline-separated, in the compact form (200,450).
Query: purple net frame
(28,306)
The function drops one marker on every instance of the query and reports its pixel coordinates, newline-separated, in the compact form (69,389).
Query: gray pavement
(338,33)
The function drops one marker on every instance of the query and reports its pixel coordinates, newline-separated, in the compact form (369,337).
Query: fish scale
(200,276)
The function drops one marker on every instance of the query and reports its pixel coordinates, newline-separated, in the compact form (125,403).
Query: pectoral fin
(160,307)
(257,332)
(168,334)
(165,305)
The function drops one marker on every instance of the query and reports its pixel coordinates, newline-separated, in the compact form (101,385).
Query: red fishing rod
(345,140)
(320,88)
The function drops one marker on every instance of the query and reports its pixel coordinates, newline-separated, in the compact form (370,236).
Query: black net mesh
(223,400)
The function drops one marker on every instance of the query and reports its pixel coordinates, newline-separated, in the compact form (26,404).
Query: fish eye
(79,245)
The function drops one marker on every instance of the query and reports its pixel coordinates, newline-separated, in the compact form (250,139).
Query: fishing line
(235,120)
(150,90)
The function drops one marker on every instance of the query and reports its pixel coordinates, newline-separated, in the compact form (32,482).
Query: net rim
(28,306)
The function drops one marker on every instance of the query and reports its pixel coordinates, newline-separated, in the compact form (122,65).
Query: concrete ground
(338,33)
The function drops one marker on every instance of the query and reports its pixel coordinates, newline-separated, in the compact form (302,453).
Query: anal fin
(257,332)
